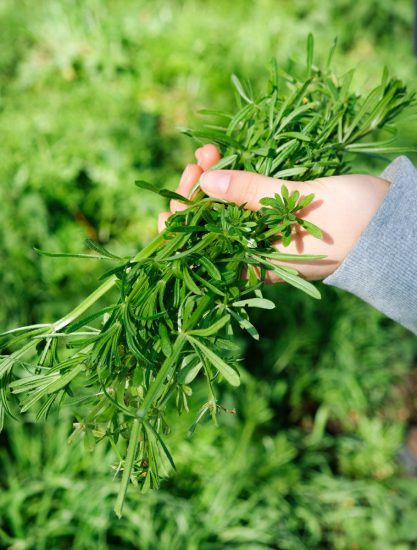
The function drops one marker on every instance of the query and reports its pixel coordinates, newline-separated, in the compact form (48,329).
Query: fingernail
(215,182)
(197,155)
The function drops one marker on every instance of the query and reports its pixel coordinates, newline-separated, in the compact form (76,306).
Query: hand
(343,206)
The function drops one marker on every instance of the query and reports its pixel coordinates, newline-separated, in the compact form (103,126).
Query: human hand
(342,207)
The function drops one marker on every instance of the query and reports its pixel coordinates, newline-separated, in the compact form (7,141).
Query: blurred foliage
(92,94)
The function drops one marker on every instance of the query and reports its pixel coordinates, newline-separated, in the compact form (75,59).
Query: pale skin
(343,206)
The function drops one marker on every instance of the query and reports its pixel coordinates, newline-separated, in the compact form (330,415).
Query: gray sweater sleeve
(382,266)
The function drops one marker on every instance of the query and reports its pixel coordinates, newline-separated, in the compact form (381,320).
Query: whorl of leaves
(182,297)
(306,123)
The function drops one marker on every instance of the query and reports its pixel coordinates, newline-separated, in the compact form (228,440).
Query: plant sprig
(182,297)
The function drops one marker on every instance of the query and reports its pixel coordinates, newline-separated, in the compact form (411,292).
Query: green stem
(178,242)
(151,395)
(163,372)
(85,304)
(129,463)
(200,309)
(106,286)
(7,364)
(151,247)
(137,422)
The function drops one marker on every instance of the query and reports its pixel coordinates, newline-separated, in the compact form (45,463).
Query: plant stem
(85,304)
(141,414)
(106,286)
(151,247)
(169,362)
(150,397)
(129,462)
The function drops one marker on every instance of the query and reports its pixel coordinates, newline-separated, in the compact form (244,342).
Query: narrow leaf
(261,303)
(166,193)
(311,228)
(211,330)
(68,255)
(293,280)
(165,340)
(226,370)
(238,85)
(210,268)
(101,250)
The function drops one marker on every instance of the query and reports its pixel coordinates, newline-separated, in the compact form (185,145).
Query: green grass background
(92,95)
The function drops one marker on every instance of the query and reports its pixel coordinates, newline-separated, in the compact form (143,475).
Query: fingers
(242,187)
(162,218)
(207,156)
(190,175)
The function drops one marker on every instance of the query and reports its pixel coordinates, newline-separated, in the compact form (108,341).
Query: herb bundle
(181,298)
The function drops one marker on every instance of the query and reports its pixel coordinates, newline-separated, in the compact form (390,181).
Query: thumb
(242,187)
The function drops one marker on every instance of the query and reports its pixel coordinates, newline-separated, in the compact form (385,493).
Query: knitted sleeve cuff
(381,269)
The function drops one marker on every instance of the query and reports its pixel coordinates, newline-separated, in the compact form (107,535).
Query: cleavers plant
(181,298)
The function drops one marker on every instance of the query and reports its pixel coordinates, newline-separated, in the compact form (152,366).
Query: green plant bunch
(182,297)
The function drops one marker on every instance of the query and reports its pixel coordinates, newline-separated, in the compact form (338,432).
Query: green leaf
(188,373)
(296,135)
(185,228)
(101,250)
(310,52)
(209,267)
(292,279)
(294,115)
(225,162)
(240,116)
(5,405)
(244,324)
(214,112)
(225,370)
(142,184)
(215,136)
(273,202)
(289,172)
(205,241)
(331,53)
(238,85)
(305,201)
(204,409)
(284,192)
(149,427)
(209,285)
(79,323)
(68,255)
(261,303)
(290,257)
(190,283)
(212,329)
(166,193)
(367,105)
(56,383)
(311,228)
(369,148)
(165,340)
(298,282)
